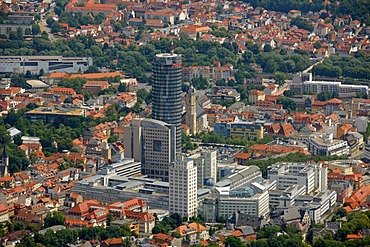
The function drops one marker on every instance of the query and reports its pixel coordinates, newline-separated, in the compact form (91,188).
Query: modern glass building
(166,94)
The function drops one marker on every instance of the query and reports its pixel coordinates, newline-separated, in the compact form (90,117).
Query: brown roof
(97,75)
(334,101)
(243,155)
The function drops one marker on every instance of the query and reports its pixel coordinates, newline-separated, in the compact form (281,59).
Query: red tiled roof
(243,155)
(97,75)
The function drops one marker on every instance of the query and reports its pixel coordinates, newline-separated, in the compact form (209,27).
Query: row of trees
(273,61)
(354,67)
(136,60)
(287,5)
(272,236)
(358,10)
(67,236)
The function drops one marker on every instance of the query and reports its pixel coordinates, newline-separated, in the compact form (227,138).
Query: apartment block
(327,146)
(191,72)
(241,130)
(256,95)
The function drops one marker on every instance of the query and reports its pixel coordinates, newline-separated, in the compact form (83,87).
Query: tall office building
(167,100)
(183,188)
(206,164)
(151,142)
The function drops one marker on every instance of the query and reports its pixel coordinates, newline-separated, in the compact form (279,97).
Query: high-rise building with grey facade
(166,94)
(151,142)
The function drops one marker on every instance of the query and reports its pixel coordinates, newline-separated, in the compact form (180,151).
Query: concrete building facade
(313,176)
(22,64)
(183,188)
(328,147)
(206,164)
(151,142)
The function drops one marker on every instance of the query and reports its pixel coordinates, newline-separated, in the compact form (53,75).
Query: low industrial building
(49,64)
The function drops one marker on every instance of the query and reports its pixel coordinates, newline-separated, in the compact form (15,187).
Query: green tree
(4,136)
(175,234)
(18,226)
(136,108)
(367,133)
(267,48)
(55,218)
(27,241)
(287,103)
(27,31)
(342,212)
(233,241)
(268,232)
(289,93)
(68,101)
(113,138)
(271,66)
(300,23)
(279,78)
(324,96)
(122,87)
(110,218)
(317,45)
(200,83)
(36,29)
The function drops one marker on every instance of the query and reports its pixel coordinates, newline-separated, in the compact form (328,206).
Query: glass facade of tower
(166,94)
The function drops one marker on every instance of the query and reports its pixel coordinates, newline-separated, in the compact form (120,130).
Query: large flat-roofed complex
(249,199)
(303,83)
(48,114)
(22,64)
(313,176)
(333,87)
(122,181)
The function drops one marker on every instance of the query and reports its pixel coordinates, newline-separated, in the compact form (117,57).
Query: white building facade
(313,176)
(183,188)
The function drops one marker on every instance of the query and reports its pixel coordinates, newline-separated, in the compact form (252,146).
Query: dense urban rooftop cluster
(182,123)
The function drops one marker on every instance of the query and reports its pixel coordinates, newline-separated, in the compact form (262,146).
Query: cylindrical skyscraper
(166,93)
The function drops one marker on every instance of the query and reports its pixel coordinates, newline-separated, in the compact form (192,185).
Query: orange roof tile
(97,75)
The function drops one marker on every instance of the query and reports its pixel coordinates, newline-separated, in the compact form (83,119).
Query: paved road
(44,26)
(309,68)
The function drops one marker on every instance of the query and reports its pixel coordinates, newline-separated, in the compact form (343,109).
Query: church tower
(191,110)
(4,163)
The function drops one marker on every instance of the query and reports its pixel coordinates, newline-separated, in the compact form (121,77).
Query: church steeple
(191,113)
